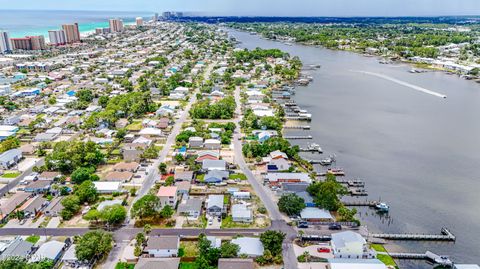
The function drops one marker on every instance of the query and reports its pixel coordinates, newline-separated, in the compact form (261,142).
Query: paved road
(278,223)
(14,182)
(154,173)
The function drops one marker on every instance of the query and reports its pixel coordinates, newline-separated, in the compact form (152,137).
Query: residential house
(195,142)
(209,165)
(192,208)
(350,245)
(17,248)
(279,178)
(126,167)
(10,158)
(163,123)
(215,242)
(183,187)
(240,213)
(314,214)
(51,250)
(214,205)
(106,187)
(49,176)
(8,205)
(207,155)
(152,132)
(183,176)
(242,195)
(212,144)
(119,176)
(277,154)
(162,246)
(250,246)
(216,176)
(168,196)
(276,165)
(235,263)
(39,186)
(151,263)
(307,198)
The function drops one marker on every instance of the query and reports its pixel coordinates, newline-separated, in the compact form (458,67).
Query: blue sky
(265,7)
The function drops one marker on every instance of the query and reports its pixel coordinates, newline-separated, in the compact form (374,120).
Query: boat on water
(382,207)
(314,147)
(327,161)
(334,171)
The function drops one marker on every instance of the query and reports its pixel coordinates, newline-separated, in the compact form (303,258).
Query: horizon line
(219,14)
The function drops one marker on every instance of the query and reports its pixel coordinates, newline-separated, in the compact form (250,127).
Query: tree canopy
(93,244)
(291,204)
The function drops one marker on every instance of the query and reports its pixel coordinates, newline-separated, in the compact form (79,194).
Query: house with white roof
(350,245)
(241,213)
(355,263)
(51,250)
(250,246)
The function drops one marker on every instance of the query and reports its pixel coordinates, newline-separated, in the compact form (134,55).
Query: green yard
(11,175)
(385,258)
(190,248)
(238,176)
(33,239)
(188,265)
(134,126)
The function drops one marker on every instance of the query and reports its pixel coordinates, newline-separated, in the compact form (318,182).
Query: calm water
(26,22)
(418,152)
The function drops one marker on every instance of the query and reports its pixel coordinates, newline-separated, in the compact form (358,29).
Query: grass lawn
(228,223)
(188,265)
(124,265)
(190,248)
(385,258)
(134,126)
(33,239)
(11,175)
(238,176)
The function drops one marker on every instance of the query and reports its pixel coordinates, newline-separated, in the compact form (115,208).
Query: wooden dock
(298,118)
(298,137)
(300,127)
(361,203)
(445,235)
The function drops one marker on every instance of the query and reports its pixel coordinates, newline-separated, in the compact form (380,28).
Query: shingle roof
(235,264)
(163,242)
(155,263)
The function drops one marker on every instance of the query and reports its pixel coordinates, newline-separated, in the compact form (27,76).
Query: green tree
(93,215)
(272,240)
(86,192)
(114,214)
(71,205)
(229,250)
(163,168)
(93,245)
(291,204)
(146,207)
(327,193)
(169,181)
(167,212)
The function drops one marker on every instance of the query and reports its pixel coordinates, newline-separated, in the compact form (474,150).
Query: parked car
(323,250)
(302,224)
(335,226)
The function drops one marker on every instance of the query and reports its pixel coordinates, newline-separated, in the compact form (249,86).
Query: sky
(264,7)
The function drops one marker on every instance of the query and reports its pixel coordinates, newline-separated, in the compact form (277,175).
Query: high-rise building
(38,42)
(29,43)
(72,34)
(139,21)
(116,25)
(101,31)
(5,43)
(155,17)
(57,37)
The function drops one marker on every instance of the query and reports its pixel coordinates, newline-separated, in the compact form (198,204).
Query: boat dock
(445,235)
(300,127)
(352,183)
(357,192)
(430,256)
(298,118)
(361,203)
(298,137)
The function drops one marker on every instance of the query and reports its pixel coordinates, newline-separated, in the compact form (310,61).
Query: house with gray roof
(192,208)
(54,207)
(155,263)
(51,250)
(10,158)
(162,246)
(216,176)
(17,248)
(214,205)
(209,165)
(240,213)
(235,263)
(315,214)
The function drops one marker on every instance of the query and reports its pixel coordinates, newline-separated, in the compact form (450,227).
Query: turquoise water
(20,23)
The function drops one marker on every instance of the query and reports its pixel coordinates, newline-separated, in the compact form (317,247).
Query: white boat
(382,207)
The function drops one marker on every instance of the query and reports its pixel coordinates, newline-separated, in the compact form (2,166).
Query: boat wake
(403,83)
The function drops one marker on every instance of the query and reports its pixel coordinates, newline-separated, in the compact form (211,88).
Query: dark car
(335,226)
(302,224)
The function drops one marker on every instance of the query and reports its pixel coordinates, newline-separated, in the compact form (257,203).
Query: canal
(415,150)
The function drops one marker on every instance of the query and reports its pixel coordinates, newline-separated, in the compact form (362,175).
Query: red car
(323,250)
